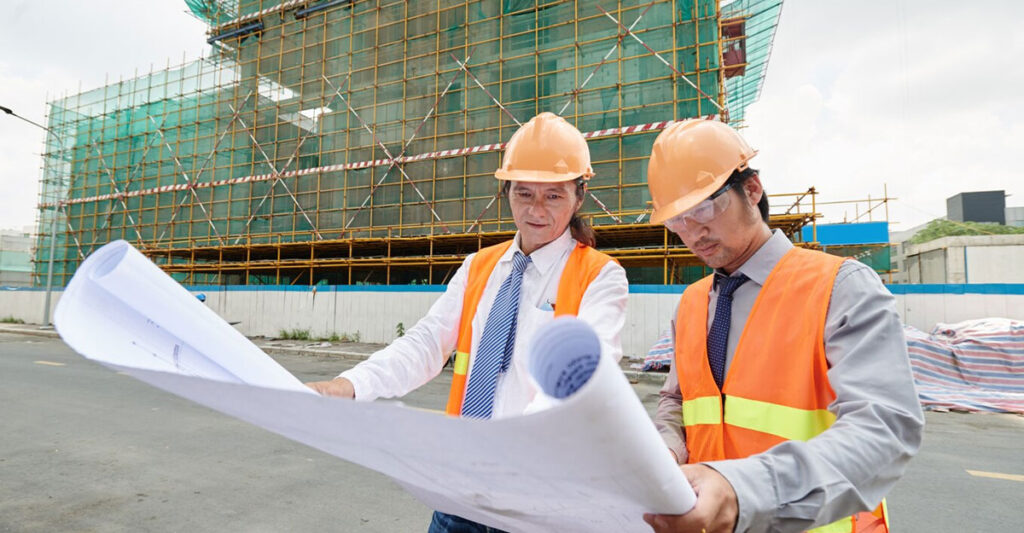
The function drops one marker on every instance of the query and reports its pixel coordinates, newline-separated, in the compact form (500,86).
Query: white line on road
(996,475)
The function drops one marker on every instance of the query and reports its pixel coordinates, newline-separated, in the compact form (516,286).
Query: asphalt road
(85,449)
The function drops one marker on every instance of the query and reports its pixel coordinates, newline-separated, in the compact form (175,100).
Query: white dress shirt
(418,356)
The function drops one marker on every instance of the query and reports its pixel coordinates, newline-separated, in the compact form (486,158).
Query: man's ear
(753,190)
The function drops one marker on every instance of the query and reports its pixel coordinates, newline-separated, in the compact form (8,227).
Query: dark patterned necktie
(718,335)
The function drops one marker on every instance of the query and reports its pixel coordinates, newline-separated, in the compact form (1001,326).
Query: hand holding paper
(592,462)
(337,387)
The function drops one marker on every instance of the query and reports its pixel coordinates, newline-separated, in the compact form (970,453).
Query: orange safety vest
(582,267)
(777,386)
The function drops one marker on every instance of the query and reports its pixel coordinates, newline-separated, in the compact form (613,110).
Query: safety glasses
(702,213)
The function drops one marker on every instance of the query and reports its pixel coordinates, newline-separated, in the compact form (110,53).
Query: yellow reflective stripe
(461,363)
(789,423)
(885,513)
(843,525)
(705,410)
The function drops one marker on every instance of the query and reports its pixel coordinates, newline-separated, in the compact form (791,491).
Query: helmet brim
(539,176)
(688,201)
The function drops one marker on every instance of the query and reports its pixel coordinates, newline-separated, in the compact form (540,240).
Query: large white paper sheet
(122,309)
(592,462)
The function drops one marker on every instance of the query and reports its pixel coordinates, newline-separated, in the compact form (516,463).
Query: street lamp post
(53,221)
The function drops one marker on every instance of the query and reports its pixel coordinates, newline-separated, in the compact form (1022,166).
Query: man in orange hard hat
(502,294)
(791,405)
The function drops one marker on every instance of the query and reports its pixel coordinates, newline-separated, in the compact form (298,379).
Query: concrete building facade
(977,206)
(15,258)
(965,259)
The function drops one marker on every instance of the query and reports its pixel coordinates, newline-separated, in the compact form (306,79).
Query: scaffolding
(347,142)
(876,254)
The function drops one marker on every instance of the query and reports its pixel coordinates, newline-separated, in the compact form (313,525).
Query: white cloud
(922,96)
(61,47)
(20,147)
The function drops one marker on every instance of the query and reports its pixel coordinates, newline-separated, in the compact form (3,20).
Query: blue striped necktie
(718,335)
(495,350)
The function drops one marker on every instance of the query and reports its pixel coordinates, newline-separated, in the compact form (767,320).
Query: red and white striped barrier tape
(347,166)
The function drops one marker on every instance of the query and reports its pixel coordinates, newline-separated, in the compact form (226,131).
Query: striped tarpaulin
(660,355)
(977,365)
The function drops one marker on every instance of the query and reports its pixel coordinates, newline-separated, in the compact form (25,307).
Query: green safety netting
(876,256)
(213,12)
(287,99)
(760,19)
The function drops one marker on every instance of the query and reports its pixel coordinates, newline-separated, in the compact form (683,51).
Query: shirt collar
(543,258)
(764,259)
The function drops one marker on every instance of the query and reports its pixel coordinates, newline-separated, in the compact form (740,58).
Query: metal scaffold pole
(355,142)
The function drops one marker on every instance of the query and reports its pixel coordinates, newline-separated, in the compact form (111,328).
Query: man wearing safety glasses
(791,405)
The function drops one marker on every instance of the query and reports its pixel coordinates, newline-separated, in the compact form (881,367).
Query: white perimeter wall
(966,259)
(375,315)
(923,311)
(994,264)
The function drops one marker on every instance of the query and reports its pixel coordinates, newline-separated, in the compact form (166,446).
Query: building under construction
(352,142)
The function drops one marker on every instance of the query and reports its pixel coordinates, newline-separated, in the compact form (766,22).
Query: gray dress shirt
(849,468)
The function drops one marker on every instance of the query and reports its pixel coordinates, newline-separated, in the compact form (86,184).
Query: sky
(55,47)
(920,96)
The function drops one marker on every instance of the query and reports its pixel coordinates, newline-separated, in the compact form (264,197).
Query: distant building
(966,259)
(1015,216)
(348,143)
(15,258)
(978,206)
(898,254)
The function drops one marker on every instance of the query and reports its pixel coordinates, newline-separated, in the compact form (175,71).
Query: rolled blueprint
(591,462)
(567,364)
(123,306)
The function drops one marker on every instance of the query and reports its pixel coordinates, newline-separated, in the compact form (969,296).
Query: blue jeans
(449,523)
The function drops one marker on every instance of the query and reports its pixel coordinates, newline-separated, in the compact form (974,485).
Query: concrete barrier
(374,313)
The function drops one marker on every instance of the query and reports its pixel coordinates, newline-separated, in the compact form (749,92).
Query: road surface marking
(51,363)
(996,475)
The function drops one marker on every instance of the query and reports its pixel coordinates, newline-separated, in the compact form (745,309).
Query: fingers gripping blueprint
(591,462)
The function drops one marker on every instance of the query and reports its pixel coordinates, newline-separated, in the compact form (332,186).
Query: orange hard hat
(690,160)
(546,149)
